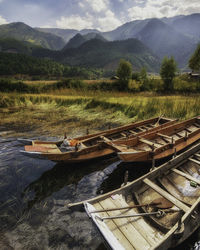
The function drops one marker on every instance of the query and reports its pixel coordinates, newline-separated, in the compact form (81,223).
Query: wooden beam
(166,195)
(194,160)
(141,129)
(133,132)
(149,142)
(198,155)
(165,136)
(180,136)
(196,125)
(189,177)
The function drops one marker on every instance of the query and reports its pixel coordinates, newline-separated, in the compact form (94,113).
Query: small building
(194,75)
(114,78)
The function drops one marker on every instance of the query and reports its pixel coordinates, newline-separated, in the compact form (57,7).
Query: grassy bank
(74,111)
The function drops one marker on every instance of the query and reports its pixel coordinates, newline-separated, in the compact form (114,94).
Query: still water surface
(33,194)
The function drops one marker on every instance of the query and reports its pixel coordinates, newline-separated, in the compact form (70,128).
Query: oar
(121,208)
(159,213)
(159,203)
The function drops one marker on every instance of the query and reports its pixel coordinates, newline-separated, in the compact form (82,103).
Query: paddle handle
(127,207)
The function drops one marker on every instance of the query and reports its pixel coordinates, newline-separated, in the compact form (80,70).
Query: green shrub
(7,85)
(185,86)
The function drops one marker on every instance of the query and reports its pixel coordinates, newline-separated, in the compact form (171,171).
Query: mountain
(189,25)
(126,31)
(166,41)
(175,36)
(23,32)
(67,34)
(10,45)
(75,42)
(162,38)
(79,39)
(107,54)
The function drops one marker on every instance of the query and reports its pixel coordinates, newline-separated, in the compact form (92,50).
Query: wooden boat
(157,211)
(158,144)
(91,146)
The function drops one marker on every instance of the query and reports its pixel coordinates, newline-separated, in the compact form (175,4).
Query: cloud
(108,21)
(2,20)
(162,8)
(75,22)
(98,5)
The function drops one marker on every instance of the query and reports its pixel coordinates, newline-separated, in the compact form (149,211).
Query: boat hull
(95,145)
(122,224)
(160,151)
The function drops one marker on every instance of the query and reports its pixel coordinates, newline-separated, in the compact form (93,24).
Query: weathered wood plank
(149,233)
(165,136)
(189,177)
(126,228)
(166,195)
(195,161)
(148,142)
(114,229)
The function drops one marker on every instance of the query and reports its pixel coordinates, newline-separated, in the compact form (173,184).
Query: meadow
(74,110)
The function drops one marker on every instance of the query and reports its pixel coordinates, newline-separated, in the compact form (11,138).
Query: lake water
(33,194)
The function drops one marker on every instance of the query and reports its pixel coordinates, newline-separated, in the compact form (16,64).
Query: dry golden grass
(41,82)
(74,111)
(98,81)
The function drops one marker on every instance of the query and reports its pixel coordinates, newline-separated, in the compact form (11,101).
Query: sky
(103,15)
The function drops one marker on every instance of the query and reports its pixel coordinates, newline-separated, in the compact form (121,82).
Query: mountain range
(151,39)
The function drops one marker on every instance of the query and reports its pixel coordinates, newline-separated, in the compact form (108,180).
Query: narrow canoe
(159,144)
(92,146)
(157,211)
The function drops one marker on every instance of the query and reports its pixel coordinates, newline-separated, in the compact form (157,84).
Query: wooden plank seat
(194,160)
(189,177)
(166,195)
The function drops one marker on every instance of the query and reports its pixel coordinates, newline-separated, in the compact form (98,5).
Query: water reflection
(116,178)
(58,177)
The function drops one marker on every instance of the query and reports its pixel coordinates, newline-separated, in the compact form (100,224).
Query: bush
(7,85)
(134,85)
(185,86)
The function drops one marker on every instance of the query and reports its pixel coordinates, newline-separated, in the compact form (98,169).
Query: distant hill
(166,41)
(103,54)
(75,42)
(79,39)
(67,34)
(94,53)
(10,45)
(161,36)
(175,36)
(189,25)
(23,32)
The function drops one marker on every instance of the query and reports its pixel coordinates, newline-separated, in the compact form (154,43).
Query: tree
(144,79)
(124,72)
(194,62)
(168,72)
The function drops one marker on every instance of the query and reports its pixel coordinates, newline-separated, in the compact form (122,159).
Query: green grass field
(74,111)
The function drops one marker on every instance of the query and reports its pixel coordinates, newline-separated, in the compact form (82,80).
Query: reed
(76,111)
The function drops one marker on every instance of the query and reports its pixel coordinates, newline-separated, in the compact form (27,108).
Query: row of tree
(167,71)
(12,64)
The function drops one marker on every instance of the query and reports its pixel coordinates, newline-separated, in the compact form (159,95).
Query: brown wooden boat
(157,211)
(158,144)
(91,146)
